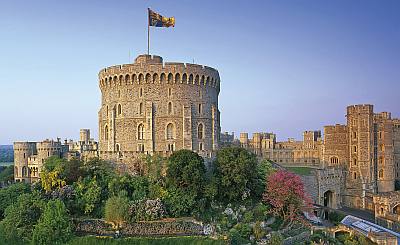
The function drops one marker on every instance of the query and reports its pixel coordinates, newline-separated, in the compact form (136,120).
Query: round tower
(154,107)
(22,151)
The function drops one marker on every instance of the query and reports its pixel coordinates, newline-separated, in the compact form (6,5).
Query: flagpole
(148,31)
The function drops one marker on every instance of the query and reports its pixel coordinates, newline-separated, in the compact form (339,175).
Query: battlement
(362,108)
(151,69)
(24,146)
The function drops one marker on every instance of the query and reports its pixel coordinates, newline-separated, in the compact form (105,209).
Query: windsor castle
(156,107)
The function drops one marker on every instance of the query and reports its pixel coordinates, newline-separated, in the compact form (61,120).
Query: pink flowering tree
(286,196)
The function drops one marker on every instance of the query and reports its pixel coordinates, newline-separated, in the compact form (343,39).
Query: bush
(258,231)
(260,212)
(116,210)
(146,210)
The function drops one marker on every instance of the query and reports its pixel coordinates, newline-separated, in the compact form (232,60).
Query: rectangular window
(200,108)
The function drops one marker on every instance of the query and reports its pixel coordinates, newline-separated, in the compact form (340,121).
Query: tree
(54,226)
(186,170)
(136,187)
(6,173)
(285,193)
(235,170)
(116,210)
(21,217)
(185,182)
(88,194)
(10,194)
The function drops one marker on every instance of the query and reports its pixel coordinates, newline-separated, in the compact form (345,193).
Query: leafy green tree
(88,194)
(235,172)
(136,187)
(21,217)
(186,170)
(54,226)
(6,173)
(51,180)
(116,210)
(72,170)
(180,202)
(185,181)
(10,194)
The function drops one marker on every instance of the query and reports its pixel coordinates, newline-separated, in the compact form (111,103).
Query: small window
(140,92)
(140,148)
(170,131)
(354,135)
(117,147)
(355,162)
(119,93)
(354,175)
(201,146)
(200,131)
(169,108)
(169,92)
(106,133)
(200,108)
(171,147)
(380,174)
(119,109)
(141,131)
(141,108)
(355,149)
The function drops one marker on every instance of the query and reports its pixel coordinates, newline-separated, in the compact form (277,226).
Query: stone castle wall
(155,107)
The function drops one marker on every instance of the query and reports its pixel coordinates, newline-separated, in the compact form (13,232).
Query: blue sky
(285,66)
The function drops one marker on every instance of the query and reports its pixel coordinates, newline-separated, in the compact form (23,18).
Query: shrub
(116,210)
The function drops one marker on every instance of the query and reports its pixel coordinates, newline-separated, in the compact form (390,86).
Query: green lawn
(91,240)
(300,170)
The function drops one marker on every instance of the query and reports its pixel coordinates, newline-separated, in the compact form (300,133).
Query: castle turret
(22,152)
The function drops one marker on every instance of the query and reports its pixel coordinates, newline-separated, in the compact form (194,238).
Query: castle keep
(155,107)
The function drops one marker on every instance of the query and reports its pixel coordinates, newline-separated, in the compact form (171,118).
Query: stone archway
(330,199)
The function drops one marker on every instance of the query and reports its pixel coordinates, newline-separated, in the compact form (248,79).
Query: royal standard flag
(158,20)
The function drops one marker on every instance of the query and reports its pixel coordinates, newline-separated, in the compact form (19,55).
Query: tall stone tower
(154,107)
(360,176)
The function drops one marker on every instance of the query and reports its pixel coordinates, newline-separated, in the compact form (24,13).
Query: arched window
(148,77)
(127,78)
(141,108)
(177,78)
(106,132)
(155,77)
(170,131)
(380,174)
(184,78)
(200,131)
(355,162)
(169,108)
(191,78)
(117,148)
(162,77)
(141,78)
(24,171)
(119,109)
(141,131)
(170,78)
